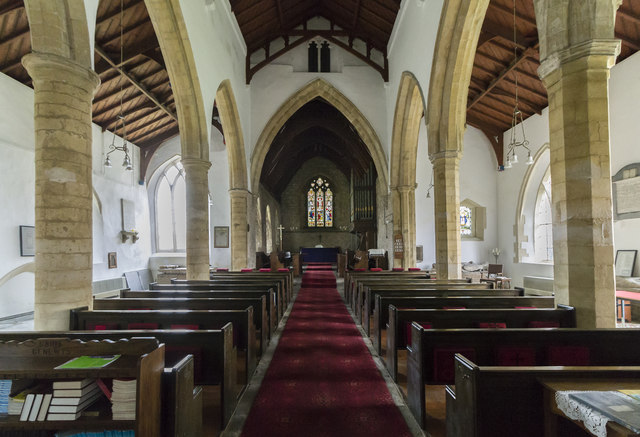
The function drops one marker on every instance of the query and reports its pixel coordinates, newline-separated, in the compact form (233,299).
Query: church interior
(356,217)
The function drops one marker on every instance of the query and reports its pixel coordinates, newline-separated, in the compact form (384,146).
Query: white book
(63,416)
(44,408)
(75,408)
(35,408)
(57,385)
(26,408)
(74,400)
(75,393)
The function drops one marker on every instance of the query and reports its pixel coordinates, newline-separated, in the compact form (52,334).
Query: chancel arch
(404,149)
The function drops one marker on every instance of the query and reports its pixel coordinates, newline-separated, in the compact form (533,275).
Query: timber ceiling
(264,21)
(492,89)
(316,129)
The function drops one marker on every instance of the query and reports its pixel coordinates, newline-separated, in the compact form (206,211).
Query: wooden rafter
(155,131)
(131,133)
(280,16)
(629,15)
(135,83)
(356,13)
(509,11)
(116,13)
(384,71)
(496,30)
(514,64)
(506,79)
(635,45)
(504,65)
(131,28)
(11,7)
(144,113)
(17,35)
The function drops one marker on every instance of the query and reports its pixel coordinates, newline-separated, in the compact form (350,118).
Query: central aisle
(322,380)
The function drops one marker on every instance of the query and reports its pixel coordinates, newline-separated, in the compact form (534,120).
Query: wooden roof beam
(635,45)
(11,7)
(500,62)
(17,35)
(629,15)
(384,71)
(135,83)
(155,131)
(356,13)
(144,113)
(514,64)
(116,13)
(506,79)
(116,38)
(505,10)
(495,29)
(131,133)
(280,15)
(533,106)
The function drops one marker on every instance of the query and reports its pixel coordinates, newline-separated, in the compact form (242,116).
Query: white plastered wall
(17,195)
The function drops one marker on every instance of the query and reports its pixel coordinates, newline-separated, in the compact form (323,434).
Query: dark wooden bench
(232,303)
(213,364)
(399,319)
(488,398)
(477,301)
(269,294)
(368,306)
(287,276)
(510,351)
(181,401)
(263,279)
(227,286)
(242,320)
(351,278)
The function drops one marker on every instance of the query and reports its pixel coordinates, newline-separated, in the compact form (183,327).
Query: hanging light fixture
(517,139)
(126,163)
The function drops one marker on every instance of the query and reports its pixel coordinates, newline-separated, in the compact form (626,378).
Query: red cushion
(359,270)
(568,356)
(173,354)
(283,270)
(414,269)
(543,324)
(246,270)
(142,326)
(515,356)
(500,325)
(525,308)
(100,326)
(222,270)
(265,270)
(192,327)
(398,269)
(376,269)
(443,363)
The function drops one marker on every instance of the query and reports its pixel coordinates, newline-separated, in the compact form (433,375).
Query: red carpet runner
(322,380)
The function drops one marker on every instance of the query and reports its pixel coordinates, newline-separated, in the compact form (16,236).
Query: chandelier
(126,163)
(518,139)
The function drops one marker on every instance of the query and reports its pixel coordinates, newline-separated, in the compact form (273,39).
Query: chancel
(331,218)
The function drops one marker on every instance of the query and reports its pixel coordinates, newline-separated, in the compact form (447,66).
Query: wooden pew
(351,278)
(228,286)
(562,316)
(548,349)
(283,278)
(181,401)
(365,299)
(365,311)
(213,363)
(272,311)
(477,301)
(232,303)
(487,398)
(242,320)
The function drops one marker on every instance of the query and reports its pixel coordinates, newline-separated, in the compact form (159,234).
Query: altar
(319,254)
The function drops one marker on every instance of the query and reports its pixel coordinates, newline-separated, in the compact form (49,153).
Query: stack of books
(5,389)
(71,398)
(123,399)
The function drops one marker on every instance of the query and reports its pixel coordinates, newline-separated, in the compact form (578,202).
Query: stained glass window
(319,204)
(466,221)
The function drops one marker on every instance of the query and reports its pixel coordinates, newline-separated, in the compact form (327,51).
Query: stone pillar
(63,91)
(239,229)
(577,83)
(405,219)
(197,188)
(446,167)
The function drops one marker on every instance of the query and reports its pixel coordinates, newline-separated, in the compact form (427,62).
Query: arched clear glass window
(259,227)
(319,204)
(268,231)
(543,227)
(171,209)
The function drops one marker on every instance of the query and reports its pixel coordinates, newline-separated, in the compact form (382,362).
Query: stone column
(197,187)
(577,83)
(63,91)
(406,206)
(446,167)
(239,228)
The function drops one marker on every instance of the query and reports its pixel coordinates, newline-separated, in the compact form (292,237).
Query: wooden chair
(493,269)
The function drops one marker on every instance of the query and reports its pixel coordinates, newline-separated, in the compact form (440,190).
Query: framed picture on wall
(113,260)
(625,261)
(27,241)
(220,236)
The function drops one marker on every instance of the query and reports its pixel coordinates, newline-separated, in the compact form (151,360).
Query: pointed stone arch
(458,33)
(404,150)
(234,139)
(315,89)
(169,25)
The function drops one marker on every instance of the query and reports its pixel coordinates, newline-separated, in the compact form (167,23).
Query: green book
(89,362)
